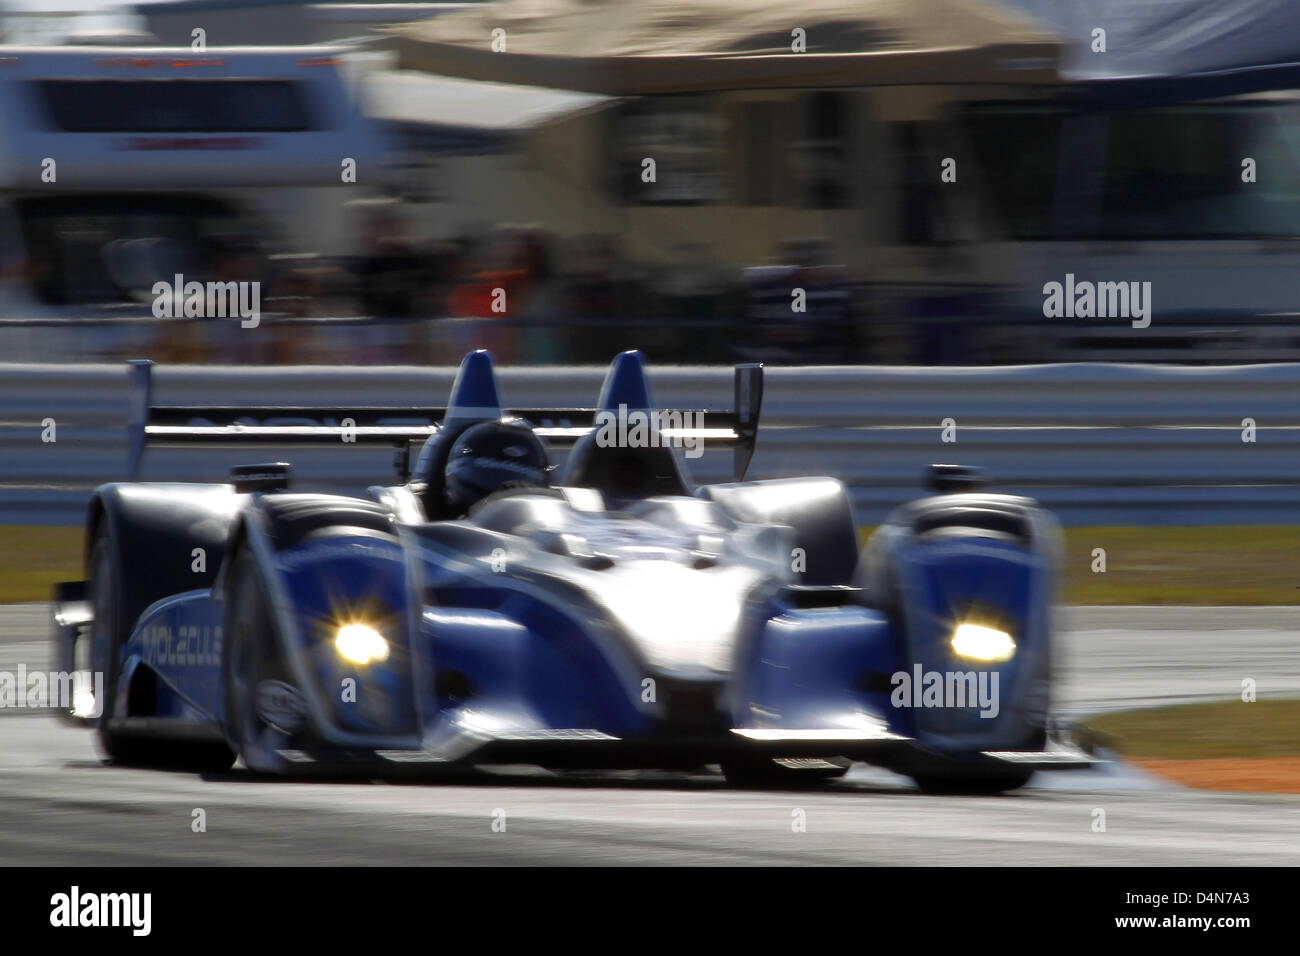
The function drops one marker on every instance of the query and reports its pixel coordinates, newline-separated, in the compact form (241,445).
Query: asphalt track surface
(60,805)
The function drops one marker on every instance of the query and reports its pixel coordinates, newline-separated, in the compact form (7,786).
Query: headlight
(982,643)
(361,644)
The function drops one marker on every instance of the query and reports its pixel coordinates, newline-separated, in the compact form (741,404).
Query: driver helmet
(488,457)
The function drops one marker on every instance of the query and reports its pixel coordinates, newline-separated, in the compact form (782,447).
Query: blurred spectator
(546,303)
(389,269)
(513,283)
(598,286)
(447,263)
(602,299)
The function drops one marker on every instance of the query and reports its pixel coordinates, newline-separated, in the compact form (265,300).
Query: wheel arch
(819,511)
(155,528)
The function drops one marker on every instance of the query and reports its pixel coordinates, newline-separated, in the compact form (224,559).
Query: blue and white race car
(489,608)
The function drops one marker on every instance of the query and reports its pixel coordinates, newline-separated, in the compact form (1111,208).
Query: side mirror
(954,479)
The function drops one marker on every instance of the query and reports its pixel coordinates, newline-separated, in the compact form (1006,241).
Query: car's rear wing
(402,426)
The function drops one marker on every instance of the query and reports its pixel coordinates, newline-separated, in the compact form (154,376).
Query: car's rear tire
(107,633)
(755,771)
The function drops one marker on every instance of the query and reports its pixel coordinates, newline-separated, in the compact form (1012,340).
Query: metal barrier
(1100,444)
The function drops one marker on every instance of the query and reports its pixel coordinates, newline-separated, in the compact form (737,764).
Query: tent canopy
(405,96)
(629,47)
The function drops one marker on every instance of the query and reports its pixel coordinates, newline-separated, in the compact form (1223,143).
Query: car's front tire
(250,656)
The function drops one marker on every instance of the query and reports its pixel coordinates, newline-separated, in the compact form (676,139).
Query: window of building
(819,159)
(682,134)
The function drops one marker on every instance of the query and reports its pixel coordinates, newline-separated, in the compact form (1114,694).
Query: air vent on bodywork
(291,517)
(954,478)
(1009,522)
(807,598)
(574,546)
(267,476)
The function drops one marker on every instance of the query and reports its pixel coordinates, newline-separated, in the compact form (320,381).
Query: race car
(491,607)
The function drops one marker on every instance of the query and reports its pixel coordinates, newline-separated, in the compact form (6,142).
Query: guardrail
(1100,444)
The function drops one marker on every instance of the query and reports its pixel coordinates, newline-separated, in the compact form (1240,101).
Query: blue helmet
(488,457)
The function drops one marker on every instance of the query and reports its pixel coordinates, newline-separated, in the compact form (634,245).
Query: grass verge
(33,558)
(1237,565)
(1221,729)
(1224,745)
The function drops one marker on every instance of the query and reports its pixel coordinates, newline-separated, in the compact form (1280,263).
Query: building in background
(952,156)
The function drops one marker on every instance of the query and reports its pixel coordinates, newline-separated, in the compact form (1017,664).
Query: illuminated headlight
(361,644)
(982,643)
